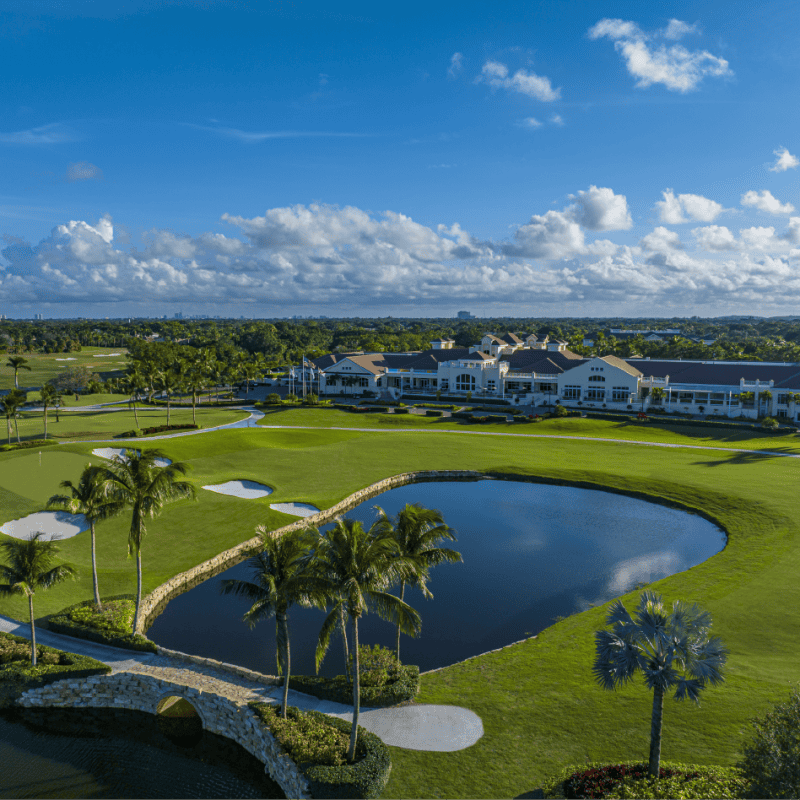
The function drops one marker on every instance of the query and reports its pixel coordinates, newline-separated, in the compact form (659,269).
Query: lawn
(538,702)
(46,366)
(108,423)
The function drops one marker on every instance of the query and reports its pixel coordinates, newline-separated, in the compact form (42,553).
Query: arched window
(596,378)
(465,383)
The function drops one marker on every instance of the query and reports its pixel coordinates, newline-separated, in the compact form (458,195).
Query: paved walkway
(416,727)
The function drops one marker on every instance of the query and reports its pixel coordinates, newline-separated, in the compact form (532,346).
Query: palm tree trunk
(397,645)
(135,413)
(194,405)
(167,410)
(351,753)
(8,420)
(346,648)
(284,638)
(138,589)
(33,631)
(45,422)
(94,572)
(16,427)
(655,731)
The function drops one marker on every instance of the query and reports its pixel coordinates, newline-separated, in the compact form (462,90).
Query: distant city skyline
(523,159)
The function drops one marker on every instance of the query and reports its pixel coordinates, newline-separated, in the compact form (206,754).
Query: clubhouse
(539,371)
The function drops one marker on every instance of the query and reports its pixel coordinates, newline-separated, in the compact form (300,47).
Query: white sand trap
(66,359)
(110,452)
(249,490)
(296,509)
(105,355)
(54,524)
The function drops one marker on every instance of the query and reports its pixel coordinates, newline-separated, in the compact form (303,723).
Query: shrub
(771,760)
(769,423)
(401,411)
(432,412)
(561,411)
(291,398)
(311,400)
(403,687)
(376,666)
(273,399)
(27,445)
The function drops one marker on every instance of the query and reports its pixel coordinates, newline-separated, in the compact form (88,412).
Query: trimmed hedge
(136,432)
(401,411)
(61,623)
(5,448)
(365,778)
(432,412)
(706,423)
(338,690)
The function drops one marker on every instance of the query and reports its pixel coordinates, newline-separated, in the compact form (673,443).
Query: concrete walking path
(415,727)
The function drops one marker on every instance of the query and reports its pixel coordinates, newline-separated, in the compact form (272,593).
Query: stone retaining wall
(155,602)
(219,714)
(242,672)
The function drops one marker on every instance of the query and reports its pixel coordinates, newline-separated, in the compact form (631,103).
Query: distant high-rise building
(38,316)
(464,315)
(178,315)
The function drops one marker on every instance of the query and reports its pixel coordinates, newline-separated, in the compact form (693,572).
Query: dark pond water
(532,552)
(66,753)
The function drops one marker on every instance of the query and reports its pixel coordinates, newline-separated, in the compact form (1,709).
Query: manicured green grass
(109,423)
(571,426)
(538,701)
(45,366)
(69,401)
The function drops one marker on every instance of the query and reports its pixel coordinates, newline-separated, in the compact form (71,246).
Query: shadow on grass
(700,431)
(749,457)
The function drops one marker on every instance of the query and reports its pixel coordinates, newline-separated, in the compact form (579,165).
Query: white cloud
(556,119)
(531,122)
(661,240)
(83,171)
(496,75)
(456,64)
(784,161)
(599,209)
(54,133)
(674,210)
(549,236)
(766,202)
(673,66)
(261,136)
(714,238)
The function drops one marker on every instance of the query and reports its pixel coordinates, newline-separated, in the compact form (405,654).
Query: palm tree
(47,395)
(354,567)
(17,363)
(10,404)
(134,382)
(193,374)
(417,531)
(281,578)
(89,498)
(28,568)
(168,381)
(140,484)
(659,644)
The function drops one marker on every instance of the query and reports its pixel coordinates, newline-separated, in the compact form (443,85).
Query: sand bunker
(66,359)
(246,489)
(54,524)
(105,355)
(296,509)
(110,452)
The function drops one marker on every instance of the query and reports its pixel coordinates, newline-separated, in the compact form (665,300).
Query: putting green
(26,476)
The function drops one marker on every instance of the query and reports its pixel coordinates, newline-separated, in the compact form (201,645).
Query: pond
(531,553)
(65,753)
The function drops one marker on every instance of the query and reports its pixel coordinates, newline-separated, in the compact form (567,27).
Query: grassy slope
(537,700)
(45,366)
(100,424)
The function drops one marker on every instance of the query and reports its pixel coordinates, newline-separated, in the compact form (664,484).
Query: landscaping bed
(399,689)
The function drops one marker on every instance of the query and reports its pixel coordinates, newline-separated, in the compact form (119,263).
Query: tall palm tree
(17,363)
(47,396)
(281,577)
(417,531)
(355,567)
(9,403)
(168,381)
(29,567)
(671,650)
(89,498)
(134,382)
(140,484)
(194,379)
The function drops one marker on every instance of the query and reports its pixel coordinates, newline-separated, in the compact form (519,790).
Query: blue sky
(279,158)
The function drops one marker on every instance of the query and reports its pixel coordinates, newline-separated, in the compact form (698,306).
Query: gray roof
(720,373)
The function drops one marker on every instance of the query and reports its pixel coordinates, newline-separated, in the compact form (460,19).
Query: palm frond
(328,627)
(394,610)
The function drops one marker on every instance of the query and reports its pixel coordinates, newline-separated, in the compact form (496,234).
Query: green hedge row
(432,412)
(366,778)
(5,448)
(338,690)
(132,434)
(705,423)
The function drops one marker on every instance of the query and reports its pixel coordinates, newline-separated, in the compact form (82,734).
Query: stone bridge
(221,704)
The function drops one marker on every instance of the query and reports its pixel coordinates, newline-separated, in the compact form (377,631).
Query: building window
(783,400)
(490,386)
(717,398)
(363,382)
(596,378)
(686,397)
(595,394)
(465,383)
(620,394)
(572,392)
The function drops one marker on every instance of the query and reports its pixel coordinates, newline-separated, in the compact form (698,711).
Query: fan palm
(355,567)
(17,363)
(47,396)
(89,498)
(136,480)
(281,577)
(417,531)
(671,650)
(28,567)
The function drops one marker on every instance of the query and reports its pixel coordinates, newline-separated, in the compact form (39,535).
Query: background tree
(17,363)
(670,650)
(168,381)
(137,482)
(355,567)
(47,396)
(281,577)
(88,497)
(29,567)
(9,404)
(417,531)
